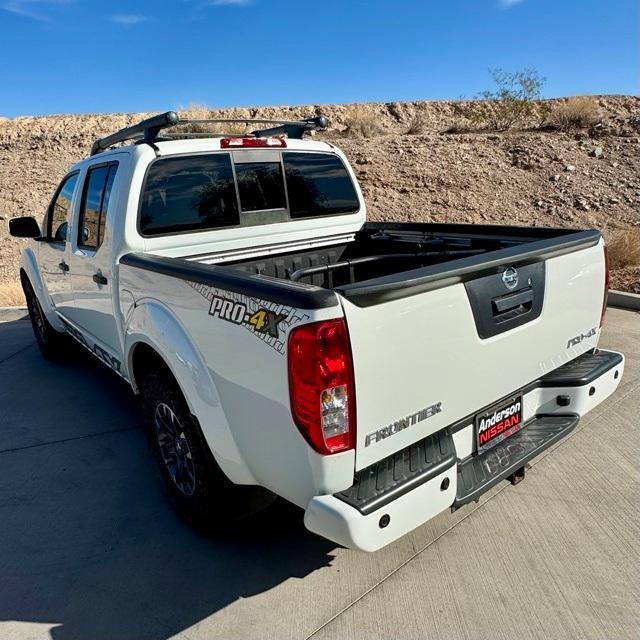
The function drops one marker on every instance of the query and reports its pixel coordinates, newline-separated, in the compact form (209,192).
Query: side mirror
(24,227)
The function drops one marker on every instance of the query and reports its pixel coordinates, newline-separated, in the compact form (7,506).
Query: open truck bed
(383,261)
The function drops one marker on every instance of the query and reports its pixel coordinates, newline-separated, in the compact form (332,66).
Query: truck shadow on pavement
(88,544)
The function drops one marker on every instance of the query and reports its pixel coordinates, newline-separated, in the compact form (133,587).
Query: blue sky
(78,56)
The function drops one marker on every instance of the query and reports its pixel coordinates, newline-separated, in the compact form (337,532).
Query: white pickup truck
(373,373)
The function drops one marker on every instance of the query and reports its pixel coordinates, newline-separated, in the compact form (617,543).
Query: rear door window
(318,185)
(260,186)
(95,202)
(105,201)
(189,193)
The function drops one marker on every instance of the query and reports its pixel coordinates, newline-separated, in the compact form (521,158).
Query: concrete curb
(623,300)
(8,314)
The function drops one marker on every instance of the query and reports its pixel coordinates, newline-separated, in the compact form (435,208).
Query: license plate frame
(491,427)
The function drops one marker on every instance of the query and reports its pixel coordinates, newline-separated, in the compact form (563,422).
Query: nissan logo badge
(510,278)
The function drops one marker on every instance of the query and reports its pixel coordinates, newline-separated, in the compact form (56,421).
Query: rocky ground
(579,178)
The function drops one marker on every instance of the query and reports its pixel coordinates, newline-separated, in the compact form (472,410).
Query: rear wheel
(196,487)
(50,342)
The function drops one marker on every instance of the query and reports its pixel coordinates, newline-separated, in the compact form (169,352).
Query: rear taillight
(231,143)
(321,385)
(606,285)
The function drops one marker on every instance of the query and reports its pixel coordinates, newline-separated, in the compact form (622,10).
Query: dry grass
(11,295)
(458,127)
(196,111)
(417,125)
(623,248)
(580,112)
(362,123)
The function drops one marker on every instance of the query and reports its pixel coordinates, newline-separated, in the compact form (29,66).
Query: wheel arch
(143,357)
(156,337)
(30,272)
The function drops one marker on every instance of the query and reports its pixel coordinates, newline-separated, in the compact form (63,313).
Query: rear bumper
(400,493)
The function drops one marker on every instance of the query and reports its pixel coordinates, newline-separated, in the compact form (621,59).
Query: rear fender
(152,323)
(29,265)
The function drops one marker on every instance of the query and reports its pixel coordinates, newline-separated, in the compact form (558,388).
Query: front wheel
(50,342)
(196,487)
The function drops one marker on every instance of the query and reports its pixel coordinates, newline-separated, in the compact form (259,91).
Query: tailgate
(425,361)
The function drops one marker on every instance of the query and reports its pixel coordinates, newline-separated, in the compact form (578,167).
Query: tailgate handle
(521,302)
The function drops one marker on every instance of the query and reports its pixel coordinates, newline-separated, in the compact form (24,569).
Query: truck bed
(390,260)
(384,261)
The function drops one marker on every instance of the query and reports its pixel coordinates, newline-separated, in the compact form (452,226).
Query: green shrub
(511,104)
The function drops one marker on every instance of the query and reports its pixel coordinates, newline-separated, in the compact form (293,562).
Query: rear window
(193,193)
(260,186)
(318,185)
(189,193)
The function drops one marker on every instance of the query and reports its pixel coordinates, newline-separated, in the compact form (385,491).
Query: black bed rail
(353,262)
(300,296)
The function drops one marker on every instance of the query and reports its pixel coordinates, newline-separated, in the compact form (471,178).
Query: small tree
(512,103)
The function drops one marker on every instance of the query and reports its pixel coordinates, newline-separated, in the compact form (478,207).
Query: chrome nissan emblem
(510,278)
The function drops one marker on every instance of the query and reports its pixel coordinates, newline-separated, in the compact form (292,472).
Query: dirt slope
(578,179)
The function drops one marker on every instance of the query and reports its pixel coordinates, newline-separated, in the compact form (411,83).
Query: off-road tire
(197,488)
(52,343)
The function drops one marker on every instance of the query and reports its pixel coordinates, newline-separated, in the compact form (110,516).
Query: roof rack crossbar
(294,129)
(247,120)
(196,134)
(148,130)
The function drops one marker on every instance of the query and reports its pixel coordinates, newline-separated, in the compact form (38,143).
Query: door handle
(63,265)
(98,278)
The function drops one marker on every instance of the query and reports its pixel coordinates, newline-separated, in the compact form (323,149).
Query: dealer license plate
(498,423)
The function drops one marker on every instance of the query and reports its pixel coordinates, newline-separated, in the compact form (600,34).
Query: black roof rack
(148,130)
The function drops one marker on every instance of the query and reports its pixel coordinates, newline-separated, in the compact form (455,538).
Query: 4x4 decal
(262,320)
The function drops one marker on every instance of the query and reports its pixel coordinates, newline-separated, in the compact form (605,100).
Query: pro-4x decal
(262,320)
(583,336)
(268,321)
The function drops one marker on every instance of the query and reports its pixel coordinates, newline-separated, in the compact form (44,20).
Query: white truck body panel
(416,352)
(235,392)
(329,517)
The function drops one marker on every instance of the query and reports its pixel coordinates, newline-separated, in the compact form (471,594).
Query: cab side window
(60,210)
(95,202)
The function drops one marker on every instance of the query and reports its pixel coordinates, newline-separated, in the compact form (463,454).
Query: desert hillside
(415,161)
